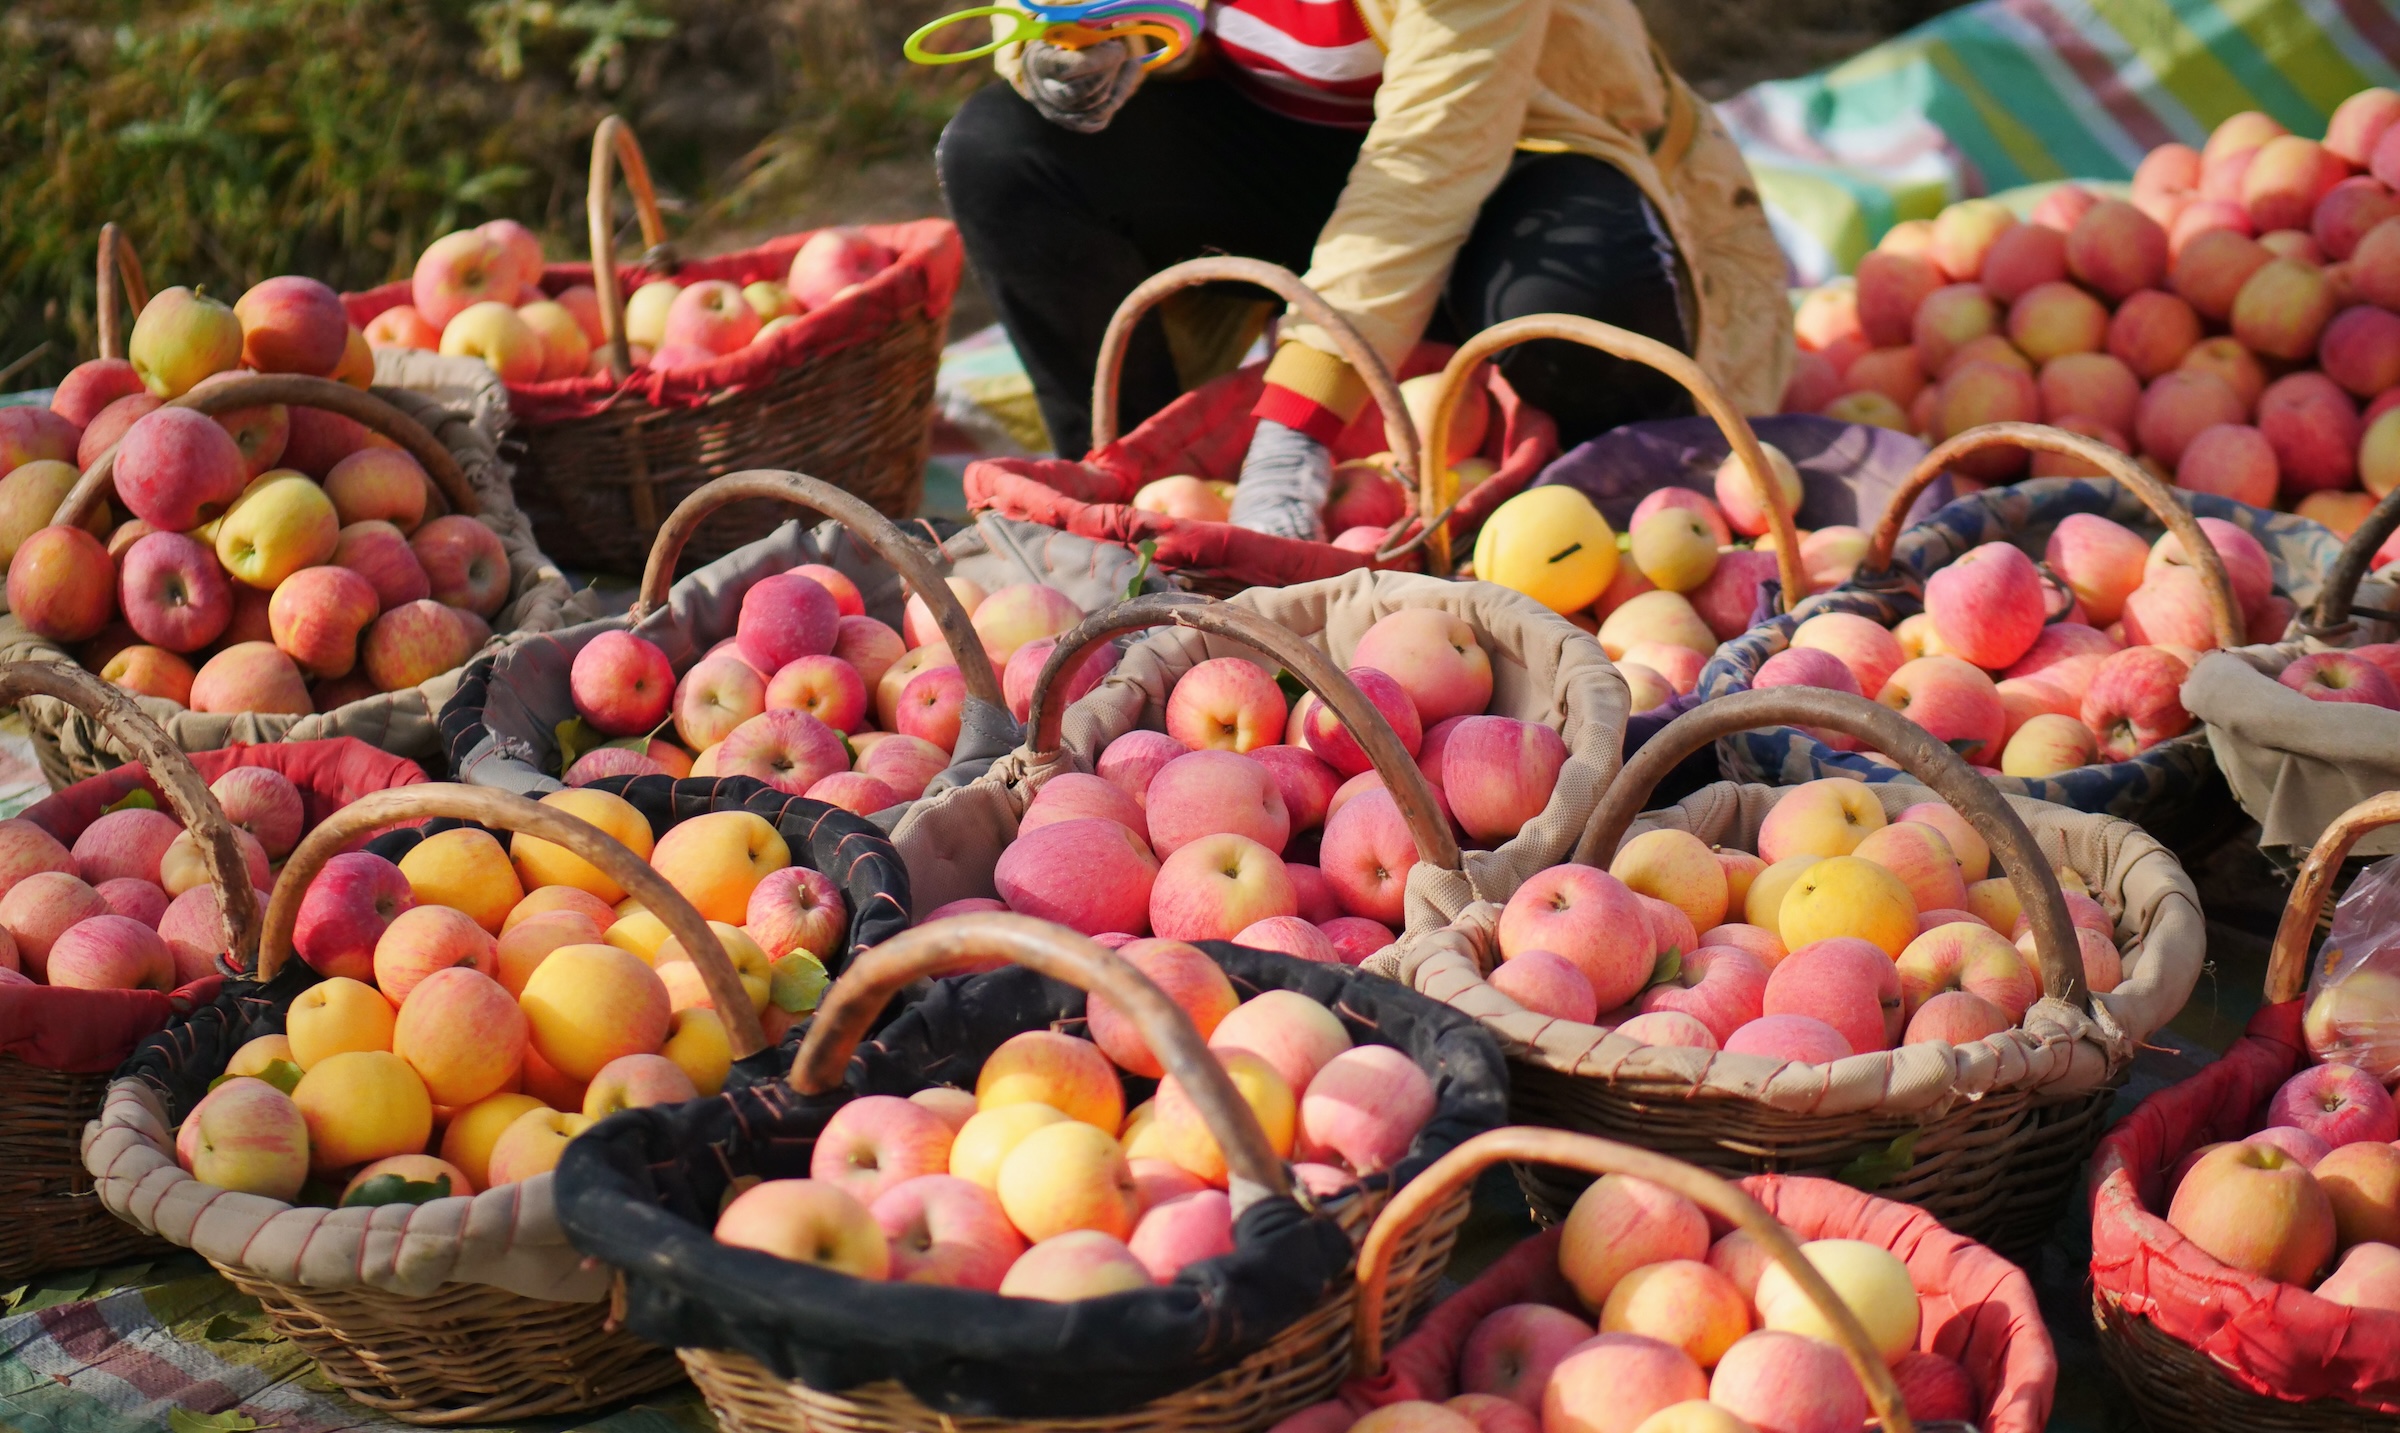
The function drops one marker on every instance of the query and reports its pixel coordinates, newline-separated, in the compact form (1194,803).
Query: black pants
(1061,226)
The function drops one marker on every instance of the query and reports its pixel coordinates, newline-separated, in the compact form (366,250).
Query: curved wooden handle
(118,261)
(878,532)
(252,389)
(1286,285)
(2055,948)
(613,145)
(2287,961)
(1435,495)
(942,946)
(2155,495)
(186,790)
(1316,671)
(2351,568)
(504,812)
(1456,1171)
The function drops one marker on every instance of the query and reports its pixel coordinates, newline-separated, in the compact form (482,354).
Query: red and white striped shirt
(1312,60)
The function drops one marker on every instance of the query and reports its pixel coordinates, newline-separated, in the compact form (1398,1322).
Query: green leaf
(397,1189)
(233,1328)
(138,799)
(282,1074)
(184,1420)
(1669,969)
(1293,688)
(1141,574)
(575,737)
(1963,745)
(799,982)
(1877,1168)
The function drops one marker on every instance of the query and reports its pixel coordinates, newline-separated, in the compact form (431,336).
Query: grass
(238,139)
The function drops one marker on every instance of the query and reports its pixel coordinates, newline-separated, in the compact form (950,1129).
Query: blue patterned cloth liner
(2171,780)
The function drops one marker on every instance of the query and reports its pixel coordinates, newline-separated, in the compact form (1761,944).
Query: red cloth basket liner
(89,1032)
(1205,433)
(2272,1338)
(1978,1308)
(924,277)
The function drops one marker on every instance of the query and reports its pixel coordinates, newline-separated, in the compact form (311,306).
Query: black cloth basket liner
(642,1189)
(183,1058)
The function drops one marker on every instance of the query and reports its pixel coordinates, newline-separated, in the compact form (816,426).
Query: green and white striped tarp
(2006,93)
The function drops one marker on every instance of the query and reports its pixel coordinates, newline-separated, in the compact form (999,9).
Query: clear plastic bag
(2354,984)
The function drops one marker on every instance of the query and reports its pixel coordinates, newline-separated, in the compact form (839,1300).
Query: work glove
(1081,90)
(1284,480)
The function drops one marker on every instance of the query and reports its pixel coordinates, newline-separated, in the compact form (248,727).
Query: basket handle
(870,527)
(614,145)
(942,946)
(505,812)
(1286,285)
(186,790)
(1456,1171)
(2056,951)
(2349,569)
(298,390)
(1316,671)
(118,262)
(2155,495)
(2287,961)
(1436,495)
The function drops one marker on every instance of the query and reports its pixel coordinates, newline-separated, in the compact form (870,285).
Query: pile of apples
(478,293)
(2320,1180)
(1685,581)
(1366,496)
(1845,934)
(277,559)
(1185,833)
(786,698)
(129,906)
(2226,324)
(2029,672)
(1043,1185)
(1679,1333)
(482,1006)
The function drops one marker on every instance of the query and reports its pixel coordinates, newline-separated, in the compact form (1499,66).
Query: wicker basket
(847,394)
(1986,1137)
(2172,787)
(49,1218)
(1206,432)
(2312,1365)
(2296,764)
(1725,1205)
(1299,1365)
(419,1335)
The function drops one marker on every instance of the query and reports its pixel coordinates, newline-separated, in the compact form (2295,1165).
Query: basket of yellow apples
(1929,993)
(361,1135)
(960,1225)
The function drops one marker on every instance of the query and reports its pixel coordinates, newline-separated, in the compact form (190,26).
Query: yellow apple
(472,1132)
(541,863)
(716,860)
(464,869)
(281,523)
(334,1017)
(362,1105)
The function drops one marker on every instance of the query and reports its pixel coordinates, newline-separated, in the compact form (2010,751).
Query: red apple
(292,324)
(464,562)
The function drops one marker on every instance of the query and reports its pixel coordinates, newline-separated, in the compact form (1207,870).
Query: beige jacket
(1467,84)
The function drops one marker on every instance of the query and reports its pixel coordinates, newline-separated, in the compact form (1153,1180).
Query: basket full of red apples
(1924,992)
(2246,1222)
(2058,675)
(1223,808)
(1075,1165)
(632,385)
(257,549)
(1669,1301)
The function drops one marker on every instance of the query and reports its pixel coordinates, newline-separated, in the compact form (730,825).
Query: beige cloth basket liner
(463,404)
(2296,764)
(1544,669)
(2059,1049)
(507,1237)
